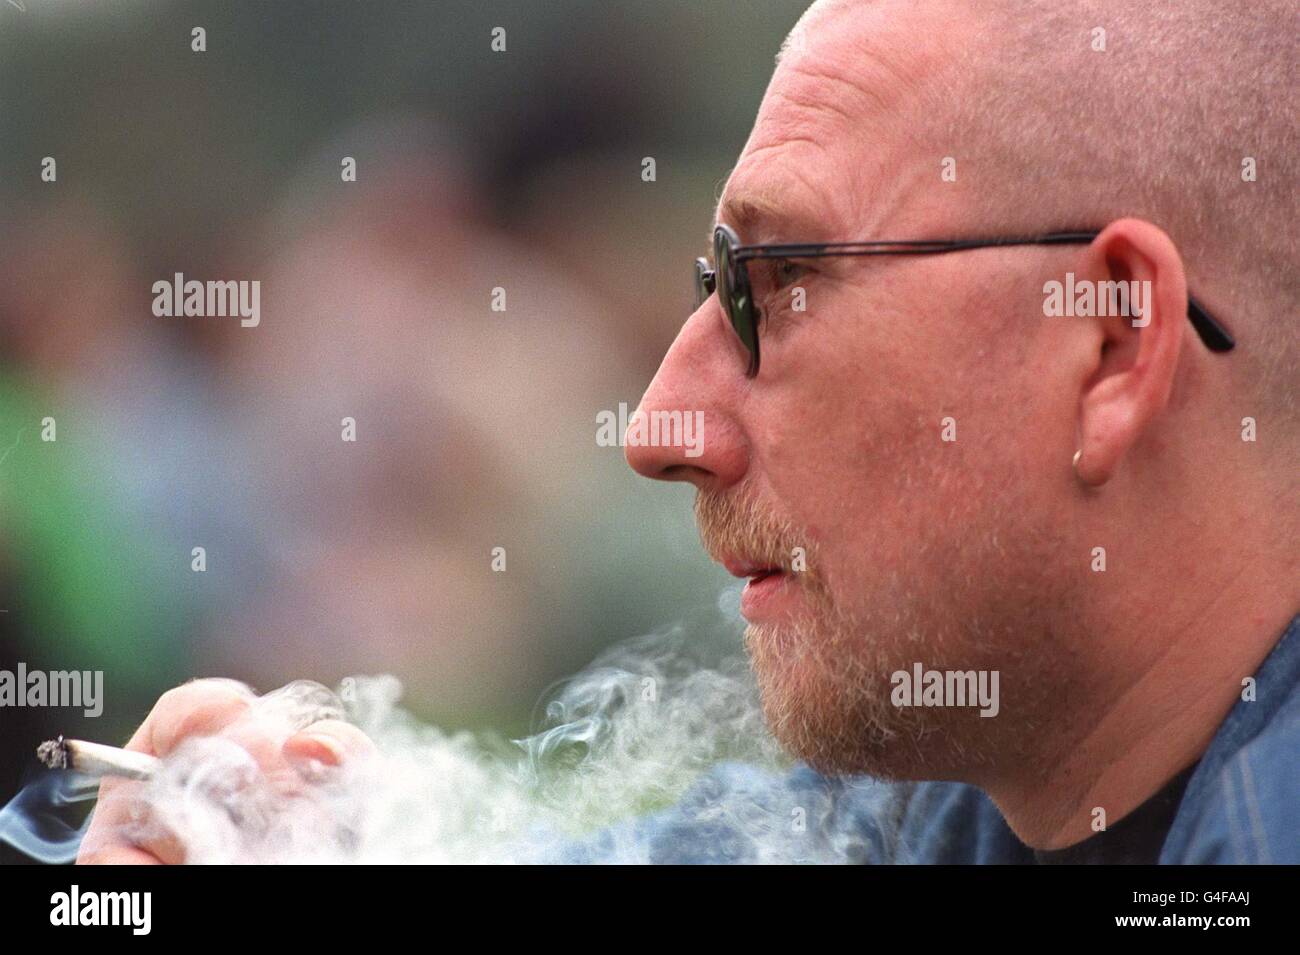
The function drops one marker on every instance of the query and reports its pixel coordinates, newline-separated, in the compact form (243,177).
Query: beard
(824,690)
(824,685)
(824,672)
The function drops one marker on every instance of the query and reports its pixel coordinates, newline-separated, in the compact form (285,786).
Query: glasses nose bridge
(705,281)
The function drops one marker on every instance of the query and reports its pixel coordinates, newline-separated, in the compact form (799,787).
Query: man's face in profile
(930,465)
(885,446)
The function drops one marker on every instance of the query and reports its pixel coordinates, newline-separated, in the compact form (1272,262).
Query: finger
(122,831)
(117,855)
(199,708)
(327,743)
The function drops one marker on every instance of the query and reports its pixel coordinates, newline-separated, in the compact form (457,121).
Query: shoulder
(1246,809)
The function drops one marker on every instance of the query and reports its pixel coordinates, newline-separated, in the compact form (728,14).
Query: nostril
(683,472)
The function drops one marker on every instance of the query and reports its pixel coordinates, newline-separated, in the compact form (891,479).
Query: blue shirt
(1241,805)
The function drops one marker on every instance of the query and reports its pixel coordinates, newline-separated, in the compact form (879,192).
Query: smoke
(35,820)
(652,754)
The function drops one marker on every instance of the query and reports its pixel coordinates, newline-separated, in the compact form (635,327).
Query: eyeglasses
(730,276)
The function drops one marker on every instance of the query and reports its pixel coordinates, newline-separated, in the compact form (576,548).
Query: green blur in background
(476,170)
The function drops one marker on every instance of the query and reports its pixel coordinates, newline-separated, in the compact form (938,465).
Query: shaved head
(1186,120)
(1180,114)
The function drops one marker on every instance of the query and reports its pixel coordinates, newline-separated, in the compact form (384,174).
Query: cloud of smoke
(652,754)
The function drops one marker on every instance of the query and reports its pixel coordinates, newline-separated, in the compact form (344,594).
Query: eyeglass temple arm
(1216,337)
(1212,333)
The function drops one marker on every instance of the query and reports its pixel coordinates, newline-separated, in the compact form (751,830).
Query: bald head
(1062,113)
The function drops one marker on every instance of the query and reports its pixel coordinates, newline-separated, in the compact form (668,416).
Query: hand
(121,831)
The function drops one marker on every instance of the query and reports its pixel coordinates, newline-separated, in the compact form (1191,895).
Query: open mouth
(765,593)
(756,571)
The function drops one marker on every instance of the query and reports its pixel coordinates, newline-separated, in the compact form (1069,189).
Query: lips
(754,570)
(766,594)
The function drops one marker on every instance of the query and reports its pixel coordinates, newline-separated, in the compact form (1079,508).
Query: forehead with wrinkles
(833,149)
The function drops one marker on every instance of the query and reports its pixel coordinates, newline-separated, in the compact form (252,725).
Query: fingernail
(313,753)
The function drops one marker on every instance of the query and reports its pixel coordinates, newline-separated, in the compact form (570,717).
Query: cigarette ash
(53,754)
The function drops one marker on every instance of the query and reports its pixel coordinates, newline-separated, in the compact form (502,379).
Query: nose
(700,384)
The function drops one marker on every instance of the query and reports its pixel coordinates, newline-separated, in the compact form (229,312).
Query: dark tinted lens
(734,292)
(722,269)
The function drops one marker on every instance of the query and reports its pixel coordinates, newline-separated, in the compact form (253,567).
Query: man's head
(904,455)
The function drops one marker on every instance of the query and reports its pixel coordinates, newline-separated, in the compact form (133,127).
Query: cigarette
(96,759)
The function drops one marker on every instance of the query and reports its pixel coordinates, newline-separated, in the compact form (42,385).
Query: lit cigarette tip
(53,753)
(96,759)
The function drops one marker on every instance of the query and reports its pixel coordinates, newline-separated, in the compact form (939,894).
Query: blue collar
(1277,687)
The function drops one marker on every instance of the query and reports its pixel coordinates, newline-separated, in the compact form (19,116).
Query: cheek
(843,466)
(859,461)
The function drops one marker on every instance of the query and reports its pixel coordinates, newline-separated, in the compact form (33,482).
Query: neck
(1173,668)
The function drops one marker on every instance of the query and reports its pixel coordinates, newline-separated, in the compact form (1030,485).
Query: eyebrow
(756,215)
(744,213)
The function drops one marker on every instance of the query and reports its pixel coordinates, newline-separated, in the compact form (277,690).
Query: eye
(781,280)
(788,271)
(775,276)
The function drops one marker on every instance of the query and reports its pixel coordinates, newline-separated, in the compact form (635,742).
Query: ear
(1134,366)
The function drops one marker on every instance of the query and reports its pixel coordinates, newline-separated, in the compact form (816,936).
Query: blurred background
(475,428)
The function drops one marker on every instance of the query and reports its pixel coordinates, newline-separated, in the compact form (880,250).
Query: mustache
(740,526)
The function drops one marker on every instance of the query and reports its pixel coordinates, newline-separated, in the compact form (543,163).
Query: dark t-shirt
(956,823)
(1135,840)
